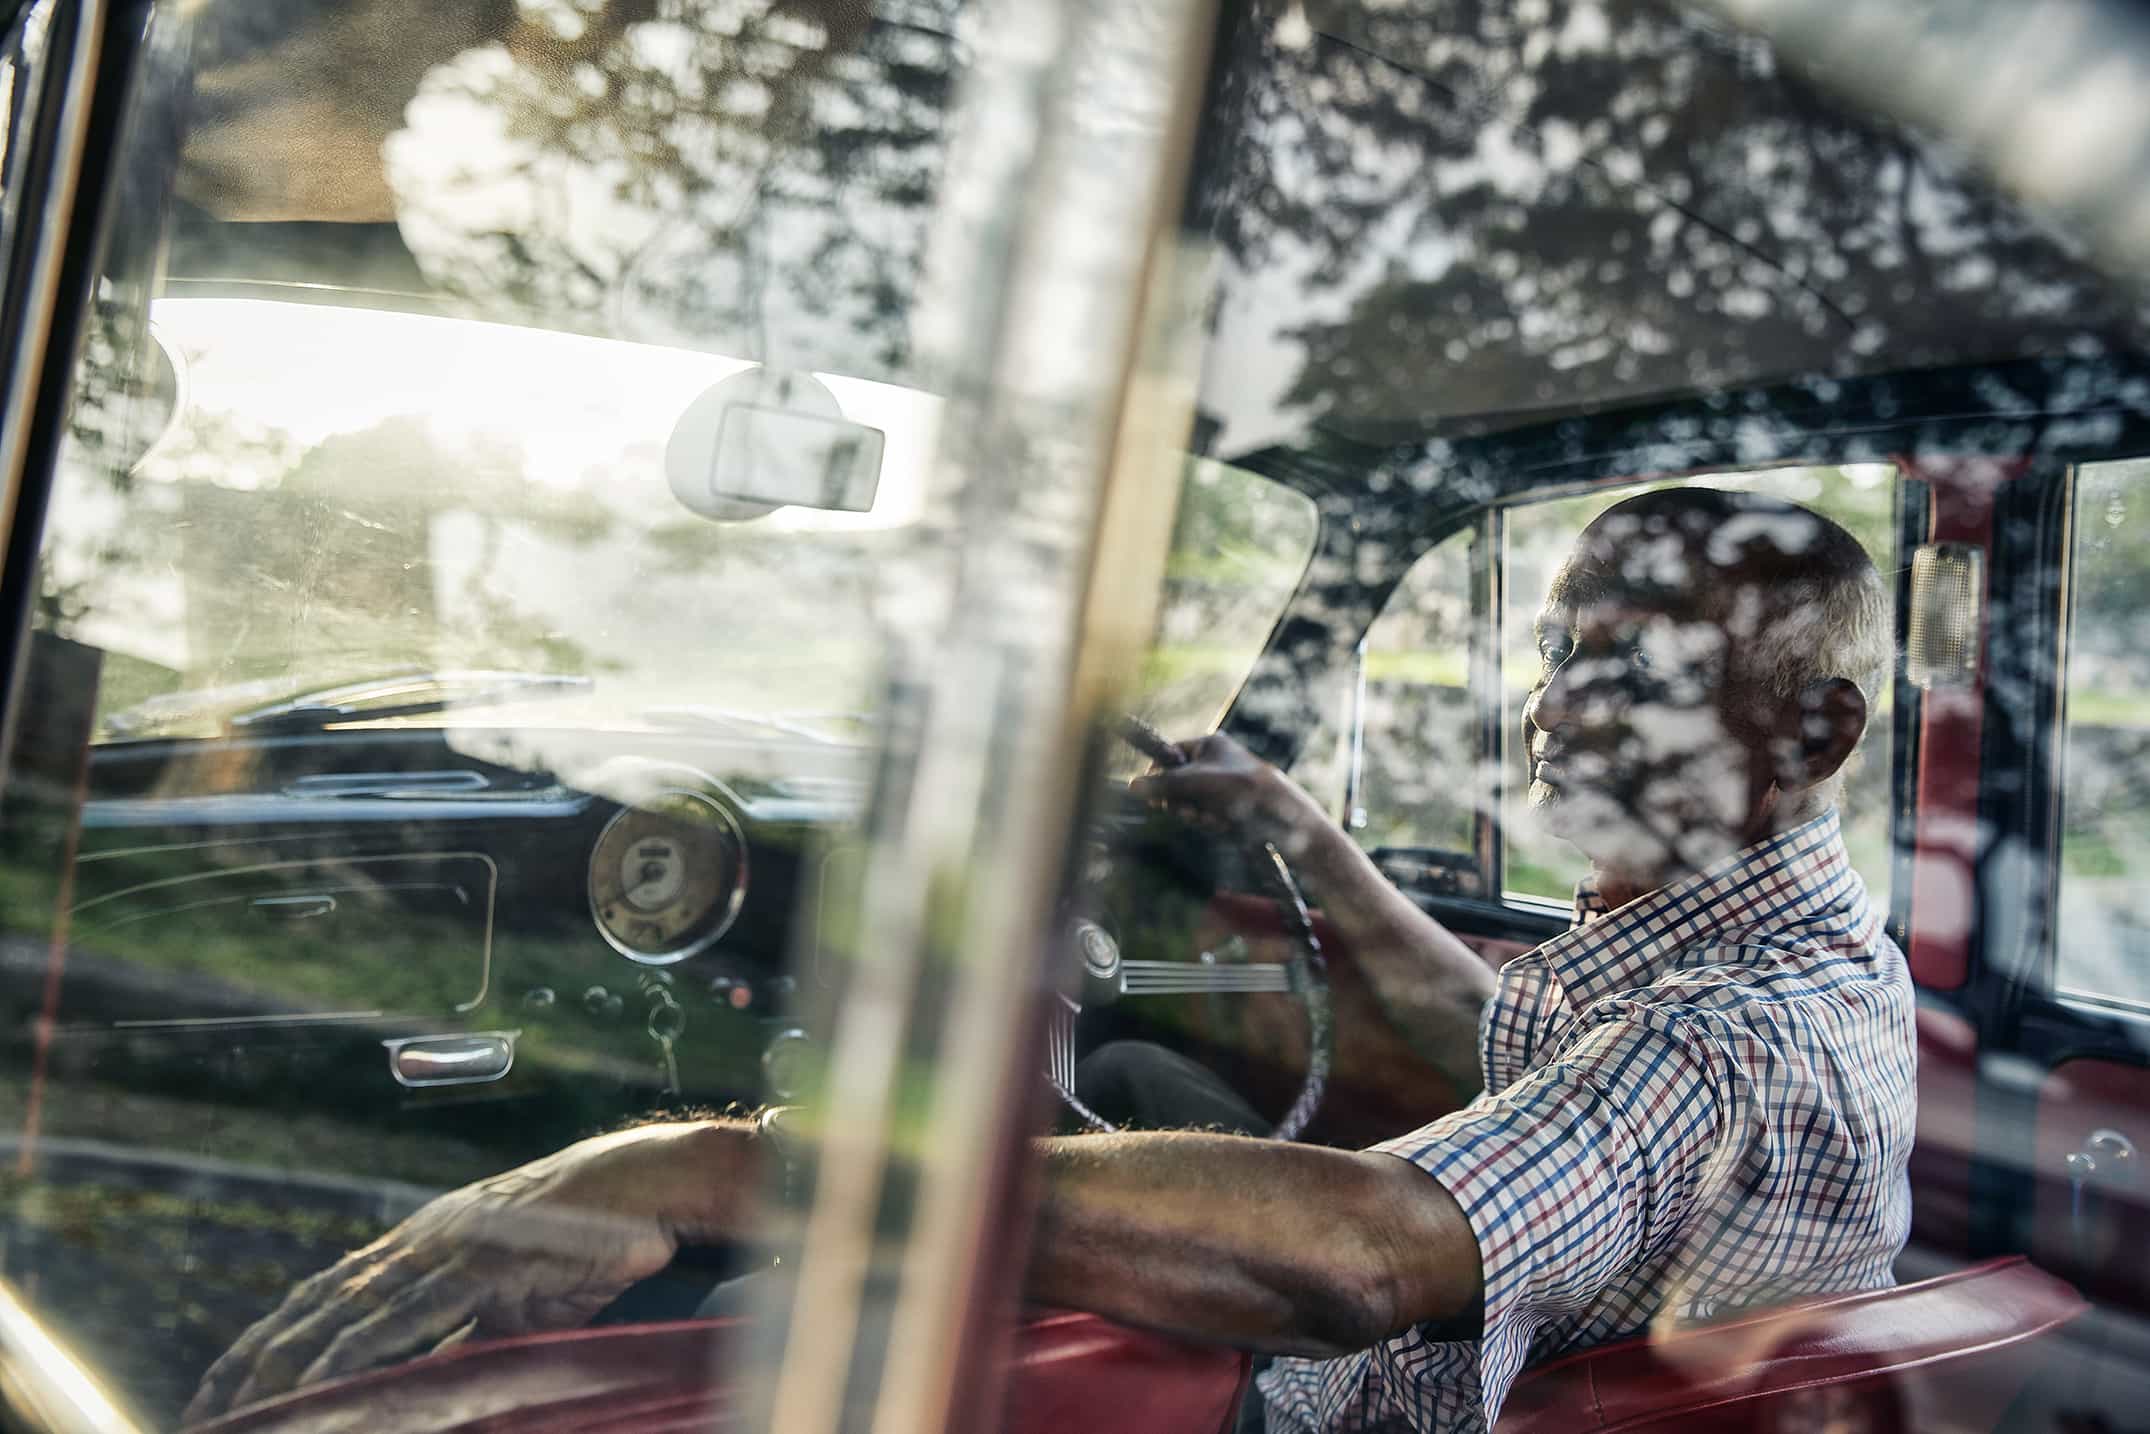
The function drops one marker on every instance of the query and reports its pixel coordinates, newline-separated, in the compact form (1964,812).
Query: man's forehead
(1590,594)
(1607,611)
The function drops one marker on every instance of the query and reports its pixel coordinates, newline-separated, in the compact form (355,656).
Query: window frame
(2040,979)
(108,61)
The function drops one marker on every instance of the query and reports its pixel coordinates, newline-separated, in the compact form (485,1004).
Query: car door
(243,904)
(2051,981)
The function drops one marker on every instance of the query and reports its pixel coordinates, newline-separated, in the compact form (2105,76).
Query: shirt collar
(1797,872)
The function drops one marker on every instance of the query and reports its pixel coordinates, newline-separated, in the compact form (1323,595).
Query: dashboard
(618,925)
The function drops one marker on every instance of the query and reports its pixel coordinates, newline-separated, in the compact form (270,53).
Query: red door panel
(2081,1099)
(1947,1133)
(1069,1374)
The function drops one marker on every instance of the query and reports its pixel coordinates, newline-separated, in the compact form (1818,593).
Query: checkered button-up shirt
(1700,1101)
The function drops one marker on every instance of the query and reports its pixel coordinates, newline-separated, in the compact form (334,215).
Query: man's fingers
(1180,784)
(278,1367)
(417,1320)
(233,1367)
(267,1358)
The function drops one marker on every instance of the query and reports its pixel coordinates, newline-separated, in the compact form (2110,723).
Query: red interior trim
(1066,1374)
(1944,843)
(55,968)
(1947,1346)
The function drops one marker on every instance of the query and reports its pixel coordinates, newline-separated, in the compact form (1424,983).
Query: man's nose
(1551,704)
(1583,692)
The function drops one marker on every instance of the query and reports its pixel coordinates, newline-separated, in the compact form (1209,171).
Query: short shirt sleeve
(1566,1185)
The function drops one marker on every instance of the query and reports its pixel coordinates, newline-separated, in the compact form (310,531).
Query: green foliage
(1239,545)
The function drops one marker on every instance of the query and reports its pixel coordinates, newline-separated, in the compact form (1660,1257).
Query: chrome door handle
(2108,1157)
(451,1060)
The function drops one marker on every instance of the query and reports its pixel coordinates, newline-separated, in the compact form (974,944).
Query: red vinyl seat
(1072,1374)
(1947,1353)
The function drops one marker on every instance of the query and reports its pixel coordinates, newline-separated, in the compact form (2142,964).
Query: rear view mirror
(760,441)
(770,455)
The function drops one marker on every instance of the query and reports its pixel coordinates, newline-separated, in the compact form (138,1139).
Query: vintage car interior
(477,558)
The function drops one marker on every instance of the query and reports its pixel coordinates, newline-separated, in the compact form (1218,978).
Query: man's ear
(1816,732)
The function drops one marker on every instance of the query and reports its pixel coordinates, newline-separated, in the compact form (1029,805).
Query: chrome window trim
(29,328)
(2105,1008)
(1061,319)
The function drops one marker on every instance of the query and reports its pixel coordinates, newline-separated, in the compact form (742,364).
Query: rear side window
(2104,906)
(1418,761)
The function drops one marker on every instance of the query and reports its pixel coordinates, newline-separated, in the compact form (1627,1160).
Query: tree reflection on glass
(748,176)
(1495,210)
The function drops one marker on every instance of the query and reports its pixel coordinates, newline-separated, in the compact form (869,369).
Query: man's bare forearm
(1430,985)
(1274,1247)
(1270,1246)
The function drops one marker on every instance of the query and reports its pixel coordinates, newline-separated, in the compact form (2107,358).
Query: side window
(2104,908)
(1239,546)
(1538,536)
(1417,760)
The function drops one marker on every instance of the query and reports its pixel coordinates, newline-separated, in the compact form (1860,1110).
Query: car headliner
(1699,219)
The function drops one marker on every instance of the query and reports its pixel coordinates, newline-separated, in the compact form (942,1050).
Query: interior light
(1948,593)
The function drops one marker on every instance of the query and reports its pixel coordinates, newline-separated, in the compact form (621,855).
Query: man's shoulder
(1746,974)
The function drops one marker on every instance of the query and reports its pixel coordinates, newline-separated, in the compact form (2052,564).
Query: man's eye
(1554,653)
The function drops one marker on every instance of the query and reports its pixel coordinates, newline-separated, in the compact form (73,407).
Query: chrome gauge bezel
(727,905)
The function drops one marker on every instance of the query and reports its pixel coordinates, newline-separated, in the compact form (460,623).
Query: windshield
(490,552)
(483,510)
(434,494)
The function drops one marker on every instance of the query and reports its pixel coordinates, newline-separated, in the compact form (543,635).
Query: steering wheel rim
(1306,977)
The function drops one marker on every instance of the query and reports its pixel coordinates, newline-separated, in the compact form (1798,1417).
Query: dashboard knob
(787,1063)
(731,991)
(600,1002)
(540,998)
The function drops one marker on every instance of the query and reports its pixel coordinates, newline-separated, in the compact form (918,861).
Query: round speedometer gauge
(667,877)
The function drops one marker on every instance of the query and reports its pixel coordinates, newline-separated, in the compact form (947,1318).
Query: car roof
(1696,217)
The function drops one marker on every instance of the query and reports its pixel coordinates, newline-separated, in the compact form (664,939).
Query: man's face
(1641,748)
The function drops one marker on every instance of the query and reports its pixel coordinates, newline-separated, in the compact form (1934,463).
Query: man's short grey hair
(1831,625)
(1812,607)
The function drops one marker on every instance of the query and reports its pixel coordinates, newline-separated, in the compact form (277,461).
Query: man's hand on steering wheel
(1216,785)
(1222,786)
(544,1246)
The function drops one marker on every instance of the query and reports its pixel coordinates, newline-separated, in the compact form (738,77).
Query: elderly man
(1699,1097)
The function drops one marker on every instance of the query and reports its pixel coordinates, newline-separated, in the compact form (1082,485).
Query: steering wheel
(1108,977)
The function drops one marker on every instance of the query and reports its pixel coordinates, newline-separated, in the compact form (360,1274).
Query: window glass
(461,629)
(2104,911)
(1418,764)
(1539,535)
(480,587)
(1239,544)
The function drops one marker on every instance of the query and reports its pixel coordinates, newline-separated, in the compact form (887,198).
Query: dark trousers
(1144,1087)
